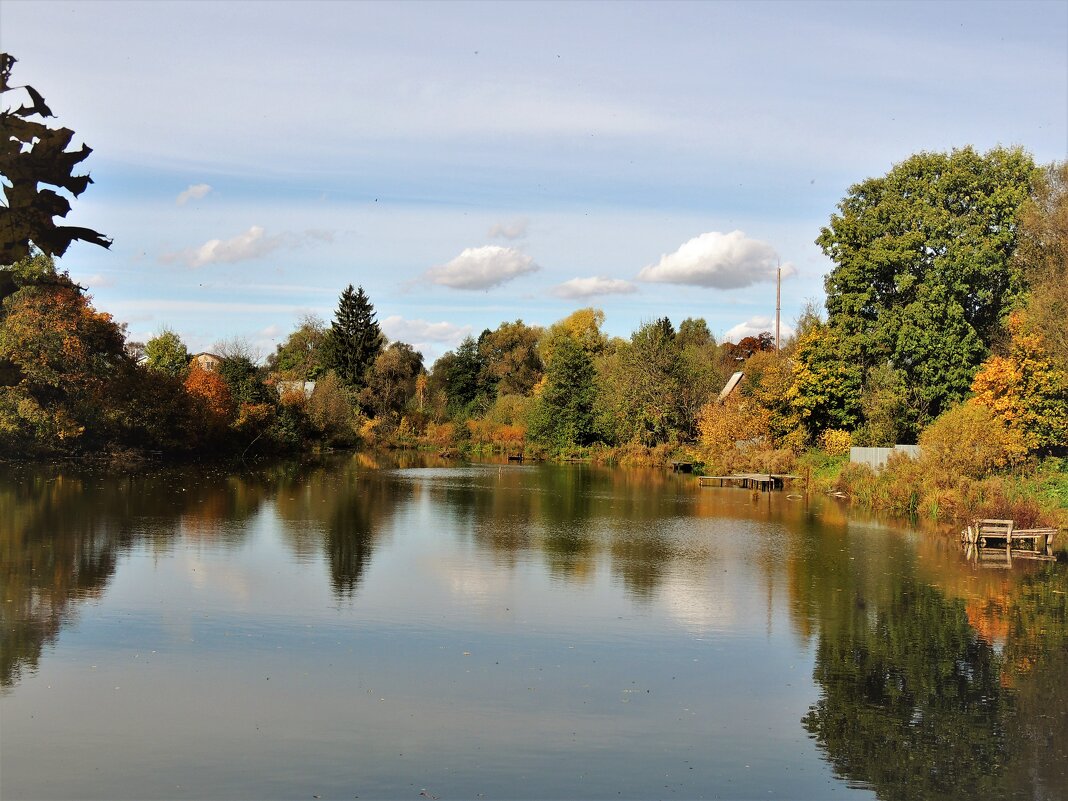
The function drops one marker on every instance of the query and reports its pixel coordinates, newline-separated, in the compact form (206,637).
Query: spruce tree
(354,340)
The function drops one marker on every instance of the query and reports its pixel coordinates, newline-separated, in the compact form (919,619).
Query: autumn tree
(1026,391)
(32,154)
(391,380)
(355,339)
(582,327)
(214,403)
(60,363)
(1042,256)
(511,364)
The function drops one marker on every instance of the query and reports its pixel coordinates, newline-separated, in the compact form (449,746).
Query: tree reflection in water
(915,703)
(935,682)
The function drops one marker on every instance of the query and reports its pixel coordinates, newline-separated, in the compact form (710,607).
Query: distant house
(207,361)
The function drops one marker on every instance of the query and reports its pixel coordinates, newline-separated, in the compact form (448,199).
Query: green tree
(826,387)
(457,374)
(31,154)
(693,332)
(166,353)
(924,270)
(354,340)
(563,415)
(302,356)
(884,401)
(640,387)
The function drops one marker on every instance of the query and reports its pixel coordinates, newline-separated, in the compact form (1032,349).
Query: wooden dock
(762,481)
(982,532)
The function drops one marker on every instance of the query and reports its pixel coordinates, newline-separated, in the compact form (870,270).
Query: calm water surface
(372,628)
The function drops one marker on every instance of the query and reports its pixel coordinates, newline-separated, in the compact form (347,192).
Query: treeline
(943,325)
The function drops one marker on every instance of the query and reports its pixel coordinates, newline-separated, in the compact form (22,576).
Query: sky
(470,164)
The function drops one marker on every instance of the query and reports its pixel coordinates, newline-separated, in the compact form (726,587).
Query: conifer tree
(354,340)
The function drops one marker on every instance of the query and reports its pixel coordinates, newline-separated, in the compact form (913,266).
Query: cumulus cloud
(590,287)
(415,331)
(516,229)
(252,244)
(482,268)
(714,259)
(755,326)
(193,192)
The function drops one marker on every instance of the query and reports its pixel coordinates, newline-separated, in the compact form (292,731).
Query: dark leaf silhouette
(31,154)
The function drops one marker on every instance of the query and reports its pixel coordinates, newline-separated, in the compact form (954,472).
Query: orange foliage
(56,337)
(1025,390)
(212,395)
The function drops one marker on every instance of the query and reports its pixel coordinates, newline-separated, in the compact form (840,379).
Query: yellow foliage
(738,420)
(970,440)
(835,441)
(1025,390)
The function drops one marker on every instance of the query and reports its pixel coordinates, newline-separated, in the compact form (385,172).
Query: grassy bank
(1034,494)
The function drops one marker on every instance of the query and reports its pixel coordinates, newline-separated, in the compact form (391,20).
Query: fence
(876,457)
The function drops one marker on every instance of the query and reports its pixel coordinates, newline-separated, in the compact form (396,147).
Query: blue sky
(474,163)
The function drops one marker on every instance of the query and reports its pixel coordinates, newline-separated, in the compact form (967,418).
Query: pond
(391,627)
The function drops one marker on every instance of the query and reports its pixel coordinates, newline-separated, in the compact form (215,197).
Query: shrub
(969,440)
(835,441)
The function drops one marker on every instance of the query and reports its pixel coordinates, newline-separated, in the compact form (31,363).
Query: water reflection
(925,668)
(931,677)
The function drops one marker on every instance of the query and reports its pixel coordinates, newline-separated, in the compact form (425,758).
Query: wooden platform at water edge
(761,481)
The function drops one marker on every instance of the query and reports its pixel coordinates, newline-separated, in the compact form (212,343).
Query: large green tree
(354,340)
(923,271)
(563,415)
(32,154)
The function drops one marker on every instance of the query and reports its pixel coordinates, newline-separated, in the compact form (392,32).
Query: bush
(835,442)
(969,440)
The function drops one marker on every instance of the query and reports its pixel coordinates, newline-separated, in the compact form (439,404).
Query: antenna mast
(778,300)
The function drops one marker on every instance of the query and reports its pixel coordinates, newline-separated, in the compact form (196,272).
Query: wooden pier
(982,532)
(990,543)
(762,481)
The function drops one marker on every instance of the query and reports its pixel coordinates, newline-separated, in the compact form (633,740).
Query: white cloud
(413,331)
(193,192)
(99,281)
(757,325)
(252,244)
(590,287)
(482,268)
(722,261)
(516,229)
(270,332)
